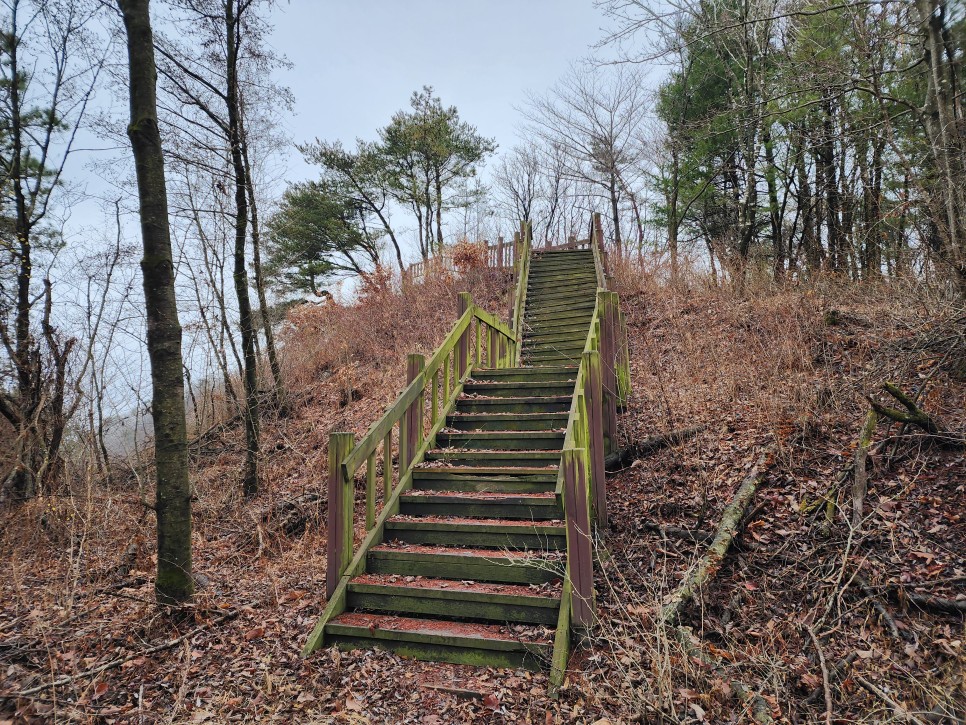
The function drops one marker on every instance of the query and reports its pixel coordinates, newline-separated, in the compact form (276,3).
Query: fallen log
(928,603)
(625,456)
(708,565)
(759,709)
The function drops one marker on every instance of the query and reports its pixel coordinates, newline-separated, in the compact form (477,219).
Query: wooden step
(553,337)
(503,440)
(525,374)
(561,287)
(555,404)
(448,598)
(501,459)
(566,326)
(535,310)
(507,421)
(570,347)
(550,358)
(557,298)
(546,280)
(486,565)
(483,533)
(530,507)
(507,480)
(518,389)
(461,643)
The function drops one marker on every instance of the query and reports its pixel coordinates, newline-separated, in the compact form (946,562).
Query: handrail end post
(340,500)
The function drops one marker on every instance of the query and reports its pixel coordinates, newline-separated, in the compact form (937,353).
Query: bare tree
(50,65)
(595,119)
(173,499)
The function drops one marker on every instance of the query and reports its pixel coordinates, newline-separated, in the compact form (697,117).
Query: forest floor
(785,370)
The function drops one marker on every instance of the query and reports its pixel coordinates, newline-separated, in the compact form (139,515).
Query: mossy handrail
(590,434)
(523,243)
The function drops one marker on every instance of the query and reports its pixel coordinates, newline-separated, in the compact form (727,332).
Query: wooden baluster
(579,550)
(434,405)
(479,343)
(387,467)
(500,261)
(446,369)
(491,347)
(341,499)
(371,491)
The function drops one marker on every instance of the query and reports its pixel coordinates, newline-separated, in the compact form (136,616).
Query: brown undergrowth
(788,366)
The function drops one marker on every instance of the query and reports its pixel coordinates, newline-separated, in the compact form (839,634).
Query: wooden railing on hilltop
(496,256)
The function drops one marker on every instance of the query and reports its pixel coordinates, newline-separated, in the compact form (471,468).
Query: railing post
(341,499)
(598,476)
(579,550)
(609,392)
(500,262)
(623,363)
(465,301)
(598,233)
(413,417)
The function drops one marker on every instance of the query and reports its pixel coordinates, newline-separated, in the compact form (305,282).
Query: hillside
(783,369)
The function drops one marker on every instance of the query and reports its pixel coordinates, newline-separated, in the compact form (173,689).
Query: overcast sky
(356,62)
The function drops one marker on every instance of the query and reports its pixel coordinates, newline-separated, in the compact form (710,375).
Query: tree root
(624,457)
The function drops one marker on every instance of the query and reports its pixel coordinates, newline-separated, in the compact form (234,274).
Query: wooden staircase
(470,561)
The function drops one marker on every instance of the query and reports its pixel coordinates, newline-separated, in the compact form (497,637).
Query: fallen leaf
(254,633)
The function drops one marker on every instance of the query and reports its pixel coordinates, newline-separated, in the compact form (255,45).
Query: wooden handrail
(522,267)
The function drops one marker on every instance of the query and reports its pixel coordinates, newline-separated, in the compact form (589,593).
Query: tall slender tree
(173,500)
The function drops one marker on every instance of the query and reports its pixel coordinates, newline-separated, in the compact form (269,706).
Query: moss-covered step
(507,421)
(525,374)
(551,357)
(502,440)
(449,599)
(455,479)
(479,565)
(556,338)
(484,533)
(500,459)
(580,312)
(571,347)
(533,507)
(560,287)
(460,643)
(570,306)
(555,404)
(518,388)
(573,285)
(568,327)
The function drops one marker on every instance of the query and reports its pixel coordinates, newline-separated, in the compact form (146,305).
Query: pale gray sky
(356,62)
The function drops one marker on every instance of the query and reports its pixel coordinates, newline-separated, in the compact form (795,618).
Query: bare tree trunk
(173,506)
(257,268)
(240,273)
